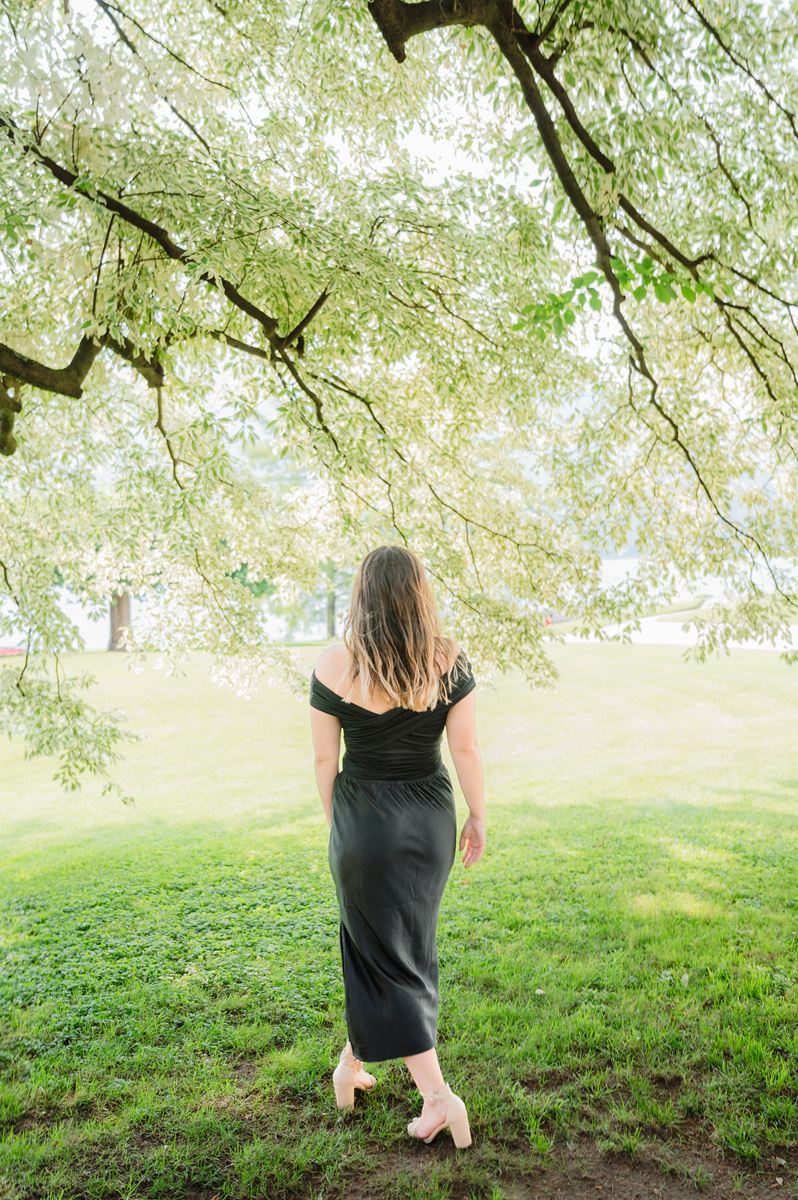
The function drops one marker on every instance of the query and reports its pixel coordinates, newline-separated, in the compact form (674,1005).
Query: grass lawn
(618,974)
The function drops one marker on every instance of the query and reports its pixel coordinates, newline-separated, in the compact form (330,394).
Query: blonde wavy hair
(392,632)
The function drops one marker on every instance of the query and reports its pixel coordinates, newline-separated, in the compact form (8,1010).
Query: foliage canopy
(574,326)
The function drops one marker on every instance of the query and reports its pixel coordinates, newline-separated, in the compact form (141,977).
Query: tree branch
(398,21)
(743,66)
(66,381)
(69,380)
(158,234)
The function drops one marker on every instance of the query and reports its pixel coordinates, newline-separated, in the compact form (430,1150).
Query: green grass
(621,965)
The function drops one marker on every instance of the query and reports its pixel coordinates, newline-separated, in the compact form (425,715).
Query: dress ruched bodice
(398,743)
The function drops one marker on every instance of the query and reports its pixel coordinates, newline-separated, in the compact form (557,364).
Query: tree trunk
(120,615)
(331,613)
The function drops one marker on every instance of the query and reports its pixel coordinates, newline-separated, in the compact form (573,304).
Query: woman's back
(397,743)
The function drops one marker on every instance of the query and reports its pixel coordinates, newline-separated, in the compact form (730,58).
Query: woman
(393,685)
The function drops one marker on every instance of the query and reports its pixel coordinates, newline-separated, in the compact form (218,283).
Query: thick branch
(66,381)
(69,380)
(398,21)
(9,407)
(299,329)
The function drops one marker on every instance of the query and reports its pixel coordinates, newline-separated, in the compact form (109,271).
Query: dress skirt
(391,849)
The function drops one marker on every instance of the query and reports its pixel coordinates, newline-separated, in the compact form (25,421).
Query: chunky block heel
(460,1130)
(347,1076)
(454,1118)
(344,1094)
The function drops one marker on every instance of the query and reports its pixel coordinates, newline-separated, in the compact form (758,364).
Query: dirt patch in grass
(666,1086)
(669,1169)
(245,1069)
(579,1170)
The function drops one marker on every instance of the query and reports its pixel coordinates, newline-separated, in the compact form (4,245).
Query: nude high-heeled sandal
(345,1079)
(454,1118)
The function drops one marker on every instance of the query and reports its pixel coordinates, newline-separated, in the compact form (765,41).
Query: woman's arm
(461,734)
(326,734)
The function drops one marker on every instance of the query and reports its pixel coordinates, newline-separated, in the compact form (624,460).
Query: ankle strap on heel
(440,1093)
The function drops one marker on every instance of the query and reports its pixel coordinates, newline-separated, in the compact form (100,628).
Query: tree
(332,598)
(119,611)
(216,228)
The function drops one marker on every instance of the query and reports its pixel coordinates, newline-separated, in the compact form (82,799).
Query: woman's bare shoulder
(331,664)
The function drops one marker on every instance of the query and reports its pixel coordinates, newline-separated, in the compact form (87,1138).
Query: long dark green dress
(392,845)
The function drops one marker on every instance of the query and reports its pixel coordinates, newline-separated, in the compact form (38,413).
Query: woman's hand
(474,834)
